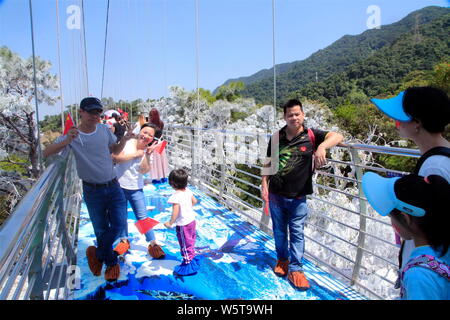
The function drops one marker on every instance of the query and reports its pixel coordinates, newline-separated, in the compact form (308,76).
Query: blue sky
(151,43)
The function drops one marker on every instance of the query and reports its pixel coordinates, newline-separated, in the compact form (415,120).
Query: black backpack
(441,151)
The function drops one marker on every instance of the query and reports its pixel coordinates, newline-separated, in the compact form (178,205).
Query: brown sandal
(94,264)
(156,251)
(112,273)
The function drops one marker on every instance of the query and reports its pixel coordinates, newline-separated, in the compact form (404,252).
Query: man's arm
(122,157)
(265,188)
(331,139)
(57,147)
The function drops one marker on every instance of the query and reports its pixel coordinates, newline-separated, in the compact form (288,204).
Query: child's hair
(429,105)
(436,221)
(178,179)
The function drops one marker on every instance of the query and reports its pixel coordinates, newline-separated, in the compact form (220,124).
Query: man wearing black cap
(92,144)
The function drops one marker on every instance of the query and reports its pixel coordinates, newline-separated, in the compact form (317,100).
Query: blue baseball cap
(393,107)
(91,103)
(409,194)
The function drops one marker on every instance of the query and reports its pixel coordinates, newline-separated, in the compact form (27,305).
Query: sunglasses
(94,112)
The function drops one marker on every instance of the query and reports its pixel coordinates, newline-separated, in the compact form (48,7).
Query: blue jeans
(107,209)
(290,213)
(137,202)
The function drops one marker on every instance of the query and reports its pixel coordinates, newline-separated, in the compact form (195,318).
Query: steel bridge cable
(274,69)
(74,78)
(104,49)
(81,71)
(129,58)
(197,53)
(59,66)
(35,90)
(85,50)
(164,31)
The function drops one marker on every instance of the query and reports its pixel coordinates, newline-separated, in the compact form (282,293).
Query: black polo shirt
(294,176)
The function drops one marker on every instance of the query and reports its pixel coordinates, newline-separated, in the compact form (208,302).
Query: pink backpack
(428,262)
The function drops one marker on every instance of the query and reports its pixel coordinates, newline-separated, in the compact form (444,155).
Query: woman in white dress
(159,165)
(132,163)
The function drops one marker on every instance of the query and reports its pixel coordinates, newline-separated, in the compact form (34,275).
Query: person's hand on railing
(320,157)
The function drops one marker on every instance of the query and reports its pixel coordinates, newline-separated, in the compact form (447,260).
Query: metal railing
(38,241)
(344,235)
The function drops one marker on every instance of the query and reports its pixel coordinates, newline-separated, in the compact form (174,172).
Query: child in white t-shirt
(183,217)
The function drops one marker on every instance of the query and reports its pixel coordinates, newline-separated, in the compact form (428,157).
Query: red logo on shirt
(303,149)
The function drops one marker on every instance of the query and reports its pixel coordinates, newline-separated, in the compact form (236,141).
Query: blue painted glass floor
(237,260)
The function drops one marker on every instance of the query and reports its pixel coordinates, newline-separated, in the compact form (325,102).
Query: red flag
(68,125)
(161,146)
(266,208)
(146,224)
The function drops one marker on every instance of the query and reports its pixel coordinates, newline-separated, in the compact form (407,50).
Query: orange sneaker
(156,251)
(298,279)
(112,273)
(94,264)
(282,268)
(122,247)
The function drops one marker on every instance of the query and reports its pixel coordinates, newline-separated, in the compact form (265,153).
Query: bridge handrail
(38,240)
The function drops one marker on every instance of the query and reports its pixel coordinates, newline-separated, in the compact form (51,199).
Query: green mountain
(374,60)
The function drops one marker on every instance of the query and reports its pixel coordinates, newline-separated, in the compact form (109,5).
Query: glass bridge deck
(237,260)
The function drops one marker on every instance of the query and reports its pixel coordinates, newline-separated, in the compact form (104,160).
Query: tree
(440,77)
(231,91)
(17,114)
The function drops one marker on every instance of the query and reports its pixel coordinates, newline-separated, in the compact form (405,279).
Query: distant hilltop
(375,60)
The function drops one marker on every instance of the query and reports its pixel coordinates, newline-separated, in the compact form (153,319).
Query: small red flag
(161,146)
(68,124)
(266,208)
(146,224)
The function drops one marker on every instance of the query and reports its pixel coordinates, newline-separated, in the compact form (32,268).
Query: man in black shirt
(119,127)
(285,186)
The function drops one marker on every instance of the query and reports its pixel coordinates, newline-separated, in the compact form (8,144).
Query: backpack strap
(442,151)
(428,262)
(312,138)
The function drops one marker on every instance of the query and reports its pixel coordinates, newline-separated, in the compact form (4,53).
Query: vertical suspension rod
(35,90)
(104,49)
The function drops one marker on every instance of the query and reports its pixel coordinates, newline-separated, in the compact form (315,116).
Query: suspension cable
(85,50)
(61,99)
(104,49)
(164,31)
(197,54)
(39,151)
(274,69)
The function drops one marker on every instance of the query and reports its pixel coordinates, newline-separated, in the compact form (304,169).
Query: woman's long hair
(155,119)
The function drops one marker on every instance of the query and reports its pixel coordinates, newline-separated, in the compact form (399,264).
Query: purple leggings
(186,238)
